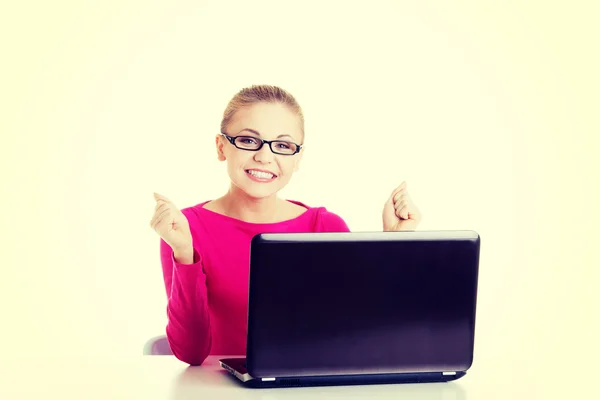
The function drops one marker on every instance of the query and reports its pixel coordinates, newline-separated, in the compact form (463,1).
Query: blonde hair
(259,94)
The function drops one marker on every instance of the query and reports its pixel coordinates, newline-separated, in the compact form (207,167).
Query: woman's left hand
(399,212)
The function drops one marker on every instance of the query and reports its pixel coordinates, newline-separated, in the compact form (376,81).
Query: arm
(188,327)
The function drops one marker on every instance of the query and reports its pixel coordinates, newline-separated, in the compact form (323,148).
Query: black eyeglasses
(251,143)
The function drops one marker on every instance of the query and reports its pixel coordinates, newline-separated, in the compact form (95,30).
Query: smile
(260,176)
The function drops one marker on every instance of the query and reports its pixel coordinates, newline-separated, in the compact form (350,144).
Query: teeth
(259,174)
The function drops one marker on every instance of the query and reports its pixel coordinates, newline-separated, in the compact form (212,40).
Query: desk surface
(164,377)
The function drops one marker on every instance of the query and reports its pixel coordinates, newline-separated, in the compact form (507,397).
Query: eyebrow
(258,133)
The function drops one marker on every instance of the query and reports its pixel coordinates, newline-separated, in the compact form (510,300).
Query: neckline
(215,214)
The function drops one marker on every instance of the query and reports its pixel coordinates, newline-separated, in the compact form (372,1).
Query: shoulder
(199,218)
(331,222)
(325,220)
(192,212)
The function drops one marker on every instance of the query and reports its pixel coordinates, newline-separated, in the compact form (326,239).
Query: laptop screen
(343,304)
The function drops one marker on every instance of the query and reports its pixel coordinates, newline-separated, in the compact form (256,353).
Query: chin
(258,190)
(259,193)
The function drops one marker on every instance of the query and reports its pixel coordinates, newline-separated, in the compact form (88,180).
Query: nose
(264,155)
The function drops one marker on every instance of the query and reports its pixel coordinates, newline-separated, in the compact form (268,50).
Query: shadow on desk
(198,382)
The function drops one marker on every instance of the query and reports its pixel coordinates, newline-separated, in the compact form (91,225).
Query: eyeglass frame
(232,139)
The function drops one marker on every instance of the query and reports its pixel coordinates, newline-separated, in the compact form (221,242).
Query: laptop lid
(362,303)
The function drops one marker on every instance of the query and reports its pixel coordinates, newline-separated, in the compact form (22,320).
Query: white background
(488,109)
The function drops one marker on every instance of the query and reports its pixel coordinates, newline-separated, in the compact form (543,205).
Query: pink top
(208,300)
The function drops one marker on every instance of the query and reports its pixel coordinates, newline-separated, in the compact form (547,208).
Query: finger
(398,212)
(398,204)
(390,199)
(402,198)
(404,212)
(400,188)
(153,221)
(158,196)
(400,195)
(159,220)
(160,204)
(158,217)
(403,209)
(395,191)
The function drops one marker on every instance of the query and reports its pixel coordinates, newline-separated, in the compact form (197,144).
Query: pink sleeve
(188,326)
(330,222)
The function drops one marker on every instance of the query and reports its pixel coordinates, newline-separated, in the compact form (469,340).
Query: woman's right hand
(171,225)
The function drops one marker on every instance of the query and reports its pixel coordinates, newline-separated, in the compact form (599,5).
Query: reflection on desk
(194,381)
(164,377)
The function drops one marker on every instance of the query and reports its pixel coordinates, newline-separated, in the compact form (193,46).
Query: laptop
(359,308)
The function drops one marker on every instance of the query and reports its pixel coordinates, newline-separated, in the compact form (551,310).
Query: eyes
(250,141)
(283,145)
(278,146)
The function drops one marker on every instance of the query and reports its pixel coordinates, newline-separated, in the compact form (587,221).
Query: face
(261,173)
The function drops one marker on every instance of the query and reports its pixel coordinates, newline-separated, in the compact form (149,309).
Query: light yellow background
(488,109)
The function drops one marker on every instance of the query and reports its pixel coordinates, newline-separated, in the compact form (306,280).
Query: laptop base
(236,367)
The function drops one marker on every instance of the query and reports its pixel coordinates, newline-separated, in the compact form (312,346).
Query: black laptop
(359,308)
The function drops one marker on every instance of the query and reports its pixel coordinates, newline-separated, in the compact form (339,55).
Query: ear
(298,160)
(220,143)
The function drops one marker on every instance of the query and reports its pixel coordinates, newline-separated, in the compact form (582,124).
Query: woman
(205,248)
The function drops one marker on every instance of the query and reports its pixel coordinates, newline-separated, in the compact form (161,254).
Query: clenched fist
(171,225)
(400,213)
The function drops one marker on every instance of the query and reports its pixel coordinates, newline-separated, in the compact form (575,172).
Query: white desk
(164,377)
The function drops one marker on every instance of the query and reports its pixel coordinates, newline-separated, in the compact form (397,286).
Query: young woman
(205,248)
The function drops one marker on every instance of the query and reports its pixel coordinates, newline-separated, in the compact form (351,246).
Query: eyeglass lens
(251,143)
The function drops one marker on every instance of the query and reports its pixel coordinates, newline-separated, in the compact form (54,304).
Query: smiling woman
(261,140)
(269,135)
